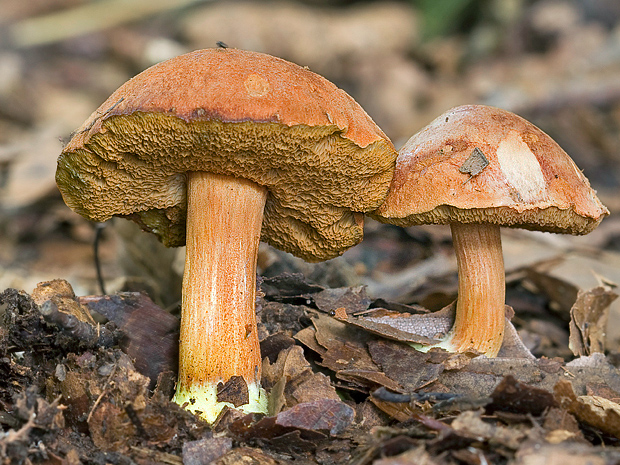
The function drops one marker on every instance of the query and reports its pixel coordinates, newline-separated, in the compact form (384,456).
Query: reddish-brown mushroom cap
(237,113)
(529,182)
(478,168)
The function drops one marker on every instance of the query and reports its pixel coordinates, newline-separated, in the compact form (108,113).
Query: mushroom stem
(480,309)
(219,337)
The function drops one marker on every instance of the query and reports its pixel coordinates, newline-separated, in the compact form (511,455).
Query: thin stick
(103,393)
(87,18)
(99,227)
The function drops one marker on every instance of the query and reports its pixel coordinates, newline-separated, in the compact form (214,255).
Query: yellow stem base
(203,400)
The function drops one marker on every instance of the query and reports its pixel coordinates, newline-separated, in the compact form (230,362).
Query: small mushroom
(217,149)
(477,168)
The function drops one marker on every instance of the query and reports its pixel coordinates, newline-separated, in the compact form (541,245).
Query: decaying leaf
(291,381)
(150,333)
(272,345)
(400,411)
(516,397)
(329,415)
(590,370)
(410,368)
(235,391)
(602,390)
(249,455)
(206,450)
(566,453)
(344,350)
(420,329)
(298,428)
(475,163)
(561,426)
(353,299)
(415,456)
(428,328)
(287,285)
(471,423)
(589,316)
(594,410)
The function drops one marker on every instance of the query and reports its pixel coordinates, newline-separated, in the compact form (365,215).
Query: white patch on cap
(521,168)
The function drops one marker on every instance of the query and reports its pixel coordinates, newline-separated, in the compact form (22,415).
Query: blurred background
(554,62)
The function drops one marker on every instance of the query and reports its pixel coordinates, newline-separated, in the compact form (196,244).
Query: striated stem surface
(480,312)
(218,323)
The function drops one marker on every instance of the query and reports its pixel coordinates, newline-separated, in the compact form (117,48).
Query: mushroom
(217,149)
(477,168)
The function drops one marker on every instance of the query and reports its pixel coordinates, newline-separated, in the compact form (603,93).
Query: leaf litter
(341,391)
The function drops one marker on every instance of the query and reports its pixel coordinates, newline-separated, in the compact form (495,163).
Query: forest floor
(345,388)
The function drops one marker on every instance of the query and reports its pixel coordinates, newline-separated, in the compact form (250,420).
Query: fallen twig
(87,18)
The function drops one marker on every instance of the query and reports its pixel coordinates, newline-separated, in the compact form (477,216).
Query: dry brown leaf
(417,456)
(246,455)
(347,354)
(353,299)
(602,390)
(298,428)
(399,411)
(343,349)
(235,391)
(307,337)
(408,367)
(589,315)
(559,435)
(368,415)
(557,419)
(593,410)
(470,423)
(205,450)
(404,327)
(292,381)
(151,333)
(565,453)
(429,328)
(512,396)
(291,363)
(327,415)
(272,345)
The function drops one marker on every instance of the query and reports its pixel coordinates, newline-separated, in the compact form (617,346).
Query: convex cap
(479,164)
(238,113)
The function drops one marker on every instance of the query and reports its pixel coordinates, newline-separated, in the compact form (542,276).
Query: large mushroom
(217,149)
(477,168)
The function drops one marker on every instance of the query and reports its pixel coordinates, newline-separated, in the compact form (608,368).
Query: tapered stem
(218,322)
(480,312)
